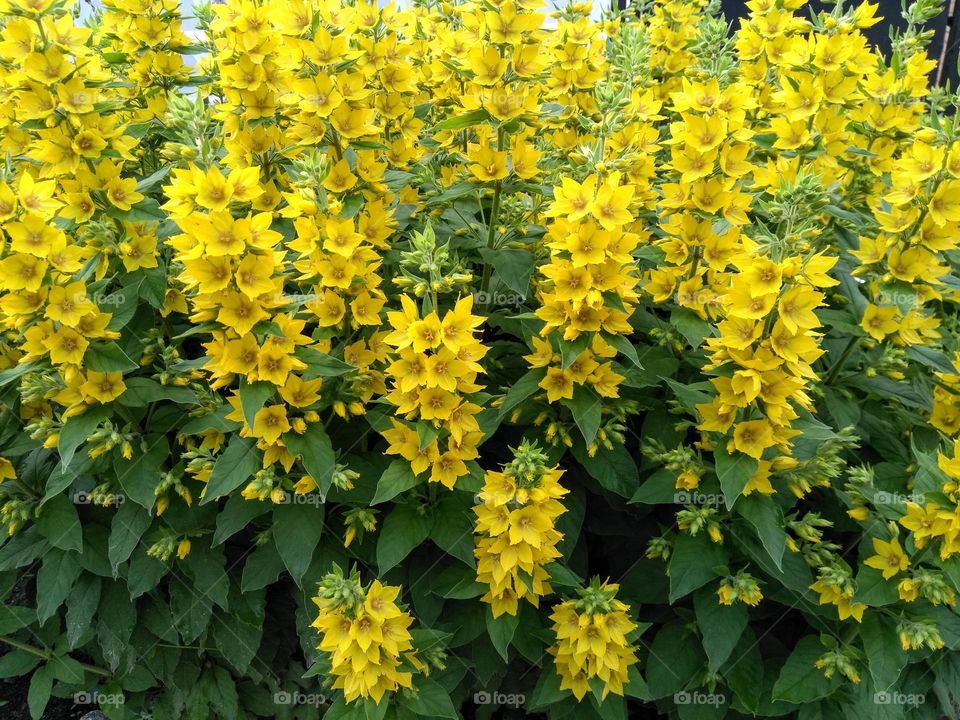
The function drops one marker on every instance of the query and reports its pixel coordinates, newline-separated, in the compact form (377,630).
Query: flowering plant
(381,362)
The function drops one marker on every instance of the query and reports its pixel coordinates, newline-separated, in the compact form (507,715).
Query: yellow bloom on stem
(486,163)
(753,437)
(103,387)
(890,558)
(270,423)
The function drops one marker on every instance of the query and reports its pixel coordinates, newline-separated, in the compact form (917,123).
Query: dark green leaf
(397,478)
(316,454)
(129,524)
(692,564)
(232,469)
(60,524)
(107,357)
(734,472)
(403,529)
(800,680)
(296,532)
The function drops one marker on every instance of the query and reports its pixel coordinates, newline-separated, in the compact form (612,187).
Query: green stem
(492,229)
(46,655)
(838,365)
(491,238)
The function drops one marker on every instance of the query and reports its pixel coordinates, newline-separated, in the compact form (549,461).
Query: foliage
(382,363)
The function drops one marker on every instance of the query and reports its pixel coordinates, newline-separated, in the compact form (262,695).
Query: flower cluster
(366,635)
(433,370)
(592,640)
(515,533)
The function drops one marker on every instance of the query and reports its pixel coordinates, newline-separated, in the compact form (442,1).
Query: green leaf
(720,626)
(14,373)
(514,268)
(237,639)
(586,407)
(296,532)
(692,564)
(521,390)
(321,365)
(207,568)
(141,392)
(41,685)
(547,692)
(81,606)
(464,120)
(693,394)
(625,347)
(140,475)
(893,390)
(252,398)
(800,680)
(16,663)
(153,289)
(873,590)
(693,328)
(316,453)
(145,211)
(150,180)
(452,528)
(675,657)
(212,421)
(766,517)
(614,469)
(236,515)
(55,580)
(501,631)
(75,431)
(60,524)
(262,568)
(129,524)
(143,573)
(886,658)
(232,469)
(16,617)
(107,357)
(397,478)
(734,472)
(430,701)
(403,529)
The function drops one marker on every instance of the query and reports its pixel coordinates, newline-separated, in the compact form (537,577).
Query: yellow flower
(103,387)
(270,423)
(878,321)
(573,200)
(213,190)
(487,164)
(753,437)
(890,558)
(66,346)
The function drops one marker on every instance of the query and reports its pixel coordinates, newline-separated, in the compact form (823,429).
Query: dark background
(944,47)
